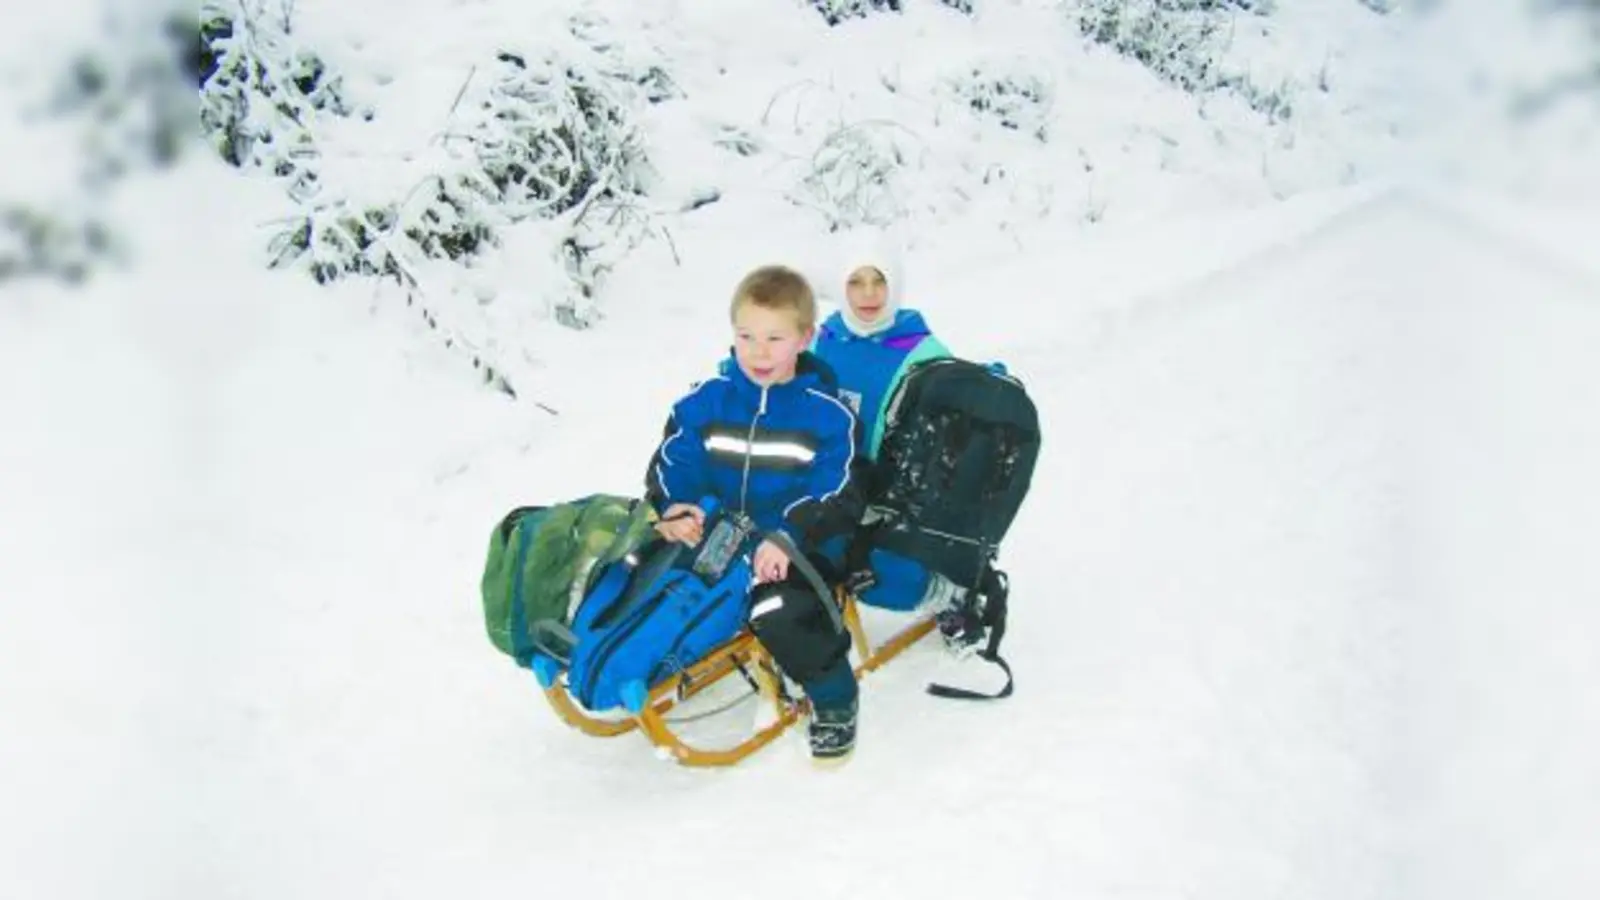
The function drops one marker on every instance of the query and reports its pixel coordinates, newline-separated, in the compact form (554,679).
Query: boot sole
(832,762)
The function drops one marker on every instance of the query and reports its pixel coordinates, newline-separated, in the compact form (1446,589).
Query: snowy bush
(736,139)
(952,159)
(260,90)
(1183,42)
(549,133)
(596,240)
(118,105)
(1172,38)
(1575,70)
(544,136)
(836,11)
(1009,92)
(540,169)
(131,93)
(853,178)
(337,238)
(54,244)
(633,63)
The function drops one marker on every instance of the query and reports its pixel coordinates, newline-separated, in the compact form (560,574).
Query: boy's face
(867,292)
(767,343)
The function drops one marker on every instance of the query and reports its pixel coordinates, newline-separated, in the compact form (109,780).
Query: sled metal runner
(741,654)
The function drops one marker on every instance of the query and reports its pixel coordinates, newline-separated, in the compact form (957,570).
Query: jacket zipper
(749,450)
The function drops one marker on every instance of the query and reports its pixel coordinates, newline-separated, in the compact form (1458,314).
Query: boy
(768,436)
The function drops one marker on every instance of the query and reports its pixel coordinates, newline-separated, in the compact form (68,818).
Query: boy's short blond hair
(780,288)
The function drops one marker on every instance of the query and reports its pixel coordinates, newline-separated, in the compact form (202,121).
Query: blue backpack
(650,616)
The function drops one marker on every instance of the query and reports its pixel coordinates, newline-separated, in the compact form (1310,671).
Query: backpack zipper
(700,615)
(521,645)
(617,638)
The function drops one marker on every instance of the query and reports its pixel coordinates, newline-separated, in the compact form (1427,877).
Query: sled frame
(743,653)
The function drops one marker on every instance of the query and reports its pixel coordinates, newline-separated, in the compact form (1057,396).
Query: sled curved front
(744,654)
(574,715)
(680,686)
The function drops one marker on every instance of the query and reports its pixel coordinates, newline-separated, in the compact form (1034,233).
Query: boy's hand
(682,522)
(771,563)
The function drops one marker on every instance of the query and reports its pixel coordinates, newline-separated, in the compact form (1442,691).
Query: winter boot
(961,628)
(832,731)
(957,612)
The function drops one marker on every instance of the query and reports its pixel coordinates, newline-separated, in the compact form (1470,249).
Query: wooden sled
(742,654)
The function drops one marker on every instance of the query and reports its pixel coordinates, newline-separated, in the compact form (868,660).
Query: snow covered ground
(1302,600)
(1302,607)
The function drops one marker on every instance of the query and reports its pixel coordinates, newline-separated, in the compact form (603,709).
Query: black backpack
(957,458)
(959,446)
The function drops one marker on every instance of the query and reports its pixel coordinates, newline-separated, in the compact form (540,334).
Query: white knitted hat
(867,248)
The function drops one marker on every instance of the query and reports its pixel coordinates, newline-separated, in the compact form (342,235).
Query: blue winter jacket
(868,368)
(782,454)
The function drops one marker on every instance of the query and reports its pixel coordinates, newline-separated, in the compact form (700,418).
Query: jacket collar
(809,372)
(908,323)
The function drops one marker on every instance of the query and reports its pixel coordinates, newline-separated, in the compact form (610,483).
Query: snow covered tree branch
(541,156)
(260,91)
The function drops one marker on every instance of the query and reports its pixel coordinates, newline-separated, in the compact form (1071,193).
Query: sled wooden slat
(891,648)
(742,651)
(660,734)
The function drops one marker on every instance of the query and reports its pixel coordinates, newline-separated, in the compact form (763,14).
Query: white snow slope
(1302,600)
(1301,607)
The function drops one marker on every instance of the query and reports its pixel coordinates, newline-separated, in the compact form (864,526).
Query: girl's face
(767,343)
(868,293)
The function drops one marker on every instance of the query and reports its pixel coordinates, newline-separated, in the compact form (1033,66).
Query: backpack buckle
(860,581)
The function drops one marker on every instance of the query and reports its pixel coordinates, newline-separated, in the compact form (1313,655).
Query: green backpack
(540,558)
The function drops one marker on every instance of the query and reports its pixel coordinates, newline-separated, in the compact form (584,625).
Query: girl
(870,344)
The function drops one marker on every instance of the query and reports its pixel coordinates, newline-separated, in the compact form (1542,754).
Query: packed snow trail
(1297,611)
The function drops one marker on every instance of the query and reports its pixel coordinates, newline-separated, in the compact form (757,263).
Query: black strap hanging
(996,590)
